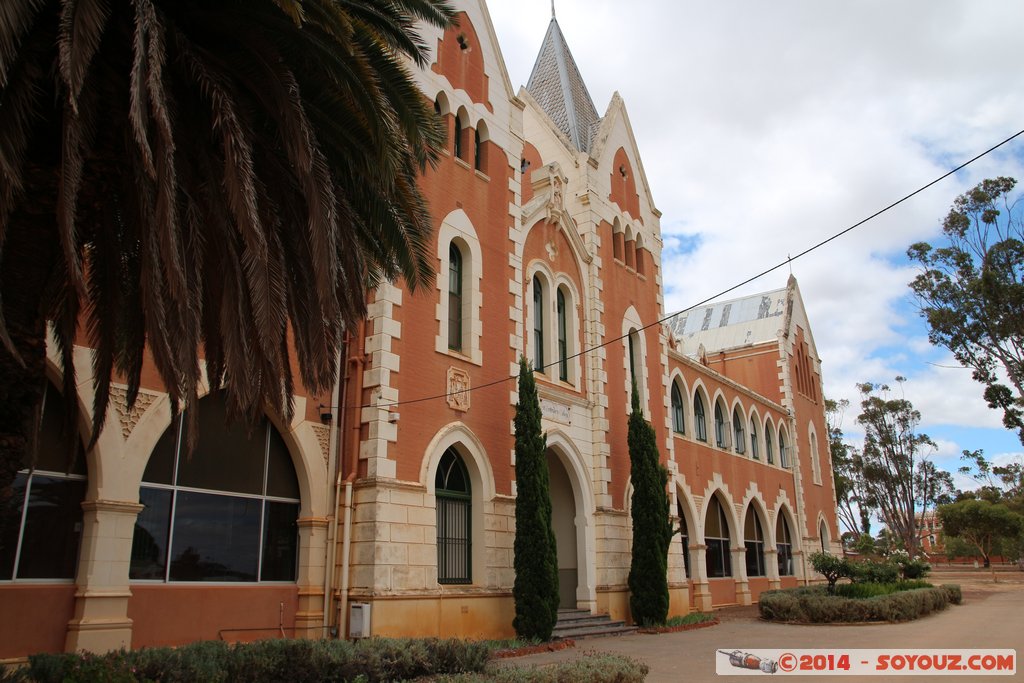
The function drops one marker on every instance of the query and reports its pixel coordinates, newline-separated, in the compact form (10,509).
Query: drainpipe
(357,361)
(337,432)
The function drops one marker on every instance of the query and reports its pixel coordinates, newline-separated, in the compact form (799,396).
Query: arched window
(42,522)
(768,445)
(227,512)
(823,536)
(454,508)
(477,151)
(538,324)
(700,421)
(739,433)
(753,440)
(630,248)
(783,454)
(784,546)
(719,426)
(618,241)
(454,298)
(717,540)
(563,336)
(639,254)
(684,538)
(458,137)
(635,364)
(815,460)
(678,416)
(753,540)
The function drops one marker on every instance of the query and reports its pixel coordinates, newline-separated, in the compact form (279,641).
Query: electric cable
(788,260)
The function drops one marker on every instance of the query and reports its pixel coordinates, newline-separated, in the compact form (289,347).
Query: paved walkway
(989,618)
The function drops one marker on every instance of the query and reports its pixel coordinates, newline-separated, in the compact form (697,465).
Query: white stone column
(739,572)
(101,622)
(771,560)
(310,617)
(701,586)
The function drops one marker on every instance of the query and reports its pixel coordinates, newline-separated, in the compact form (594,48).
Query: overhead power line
(752,278)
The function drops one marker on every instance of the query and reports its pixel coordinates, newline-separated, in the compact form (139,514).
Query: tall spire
(558,87)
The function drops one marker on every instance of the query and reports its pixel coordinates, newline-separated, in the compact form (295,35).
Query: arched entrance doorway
(563,522)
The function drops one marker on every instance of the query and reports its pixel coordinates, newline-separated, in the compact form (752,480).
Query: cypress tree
(536,563)
(652,529)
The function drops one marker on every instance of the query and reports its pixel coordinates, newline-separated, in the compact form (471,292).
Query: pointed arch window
(454,520)
(43,527)
(739,436)
(678,416)
(823,536)
(753,440)
(563,336)
(784,546)
(753,541)
(455,278)
(478,150)
(538,324)
(719,426)
(768,446)
(700,421)
(717,540)
(783,455)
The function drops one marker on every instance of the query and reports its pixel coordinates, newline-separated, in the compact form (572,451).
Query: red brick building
(398,491)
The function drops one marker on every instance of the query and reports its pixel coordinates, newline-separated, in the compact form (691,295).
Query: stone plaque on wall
(458,389)
(555,411)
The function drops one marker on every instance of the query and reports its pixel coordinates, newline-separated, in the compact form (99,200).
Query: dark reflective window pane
(53,528)
(281,480)
(55,440)
(280,541)
(160,468)
(216,538)
(149,544)
(10,526)
(227,457)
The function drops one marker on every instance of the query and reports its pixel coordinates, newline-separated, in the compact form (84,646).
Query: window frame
(447,501)
(700,418)
(456,321)
(678,409)
(720,544)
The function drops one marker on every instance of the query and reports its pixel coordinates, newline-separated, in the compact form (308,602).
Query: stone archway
(563,522)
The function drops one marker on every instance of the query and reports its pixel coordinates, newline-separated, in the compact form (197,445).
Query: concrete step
(577,624)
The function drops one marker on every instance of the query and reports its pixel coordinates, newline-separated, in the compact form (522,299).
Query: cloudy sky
(765,127)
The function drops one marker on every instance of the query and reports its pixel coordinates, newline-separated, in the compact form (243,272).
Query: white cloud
(766,127)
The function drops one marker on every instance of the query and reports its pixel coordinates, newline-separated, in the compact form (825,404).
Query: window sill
(459,355)
(459,161)
(482,176)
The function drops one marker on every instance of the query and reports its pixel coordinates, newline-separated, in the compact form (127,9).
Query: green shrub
(831,567)
(874,571)
(953,592)
(296,661)
(590,668)
(691,618)
(872,590)
(815,605)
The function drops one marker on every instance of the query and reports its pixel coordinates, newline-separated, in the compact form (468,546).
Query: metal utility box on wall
(359,620)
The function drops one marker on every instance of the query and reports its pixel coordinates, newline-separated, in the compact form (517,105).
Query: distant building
(398,491)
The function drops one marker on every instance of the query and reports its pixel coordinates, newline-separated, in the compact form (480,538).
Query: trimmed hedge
(813,604)
(591,668)
(296,661)
(873,590)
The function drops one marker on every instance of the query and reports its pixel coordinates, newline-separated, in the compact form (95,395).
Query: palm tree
(230,175)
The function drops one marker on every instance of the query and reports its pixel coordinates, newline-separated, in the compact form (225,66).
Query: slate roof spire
(558,87)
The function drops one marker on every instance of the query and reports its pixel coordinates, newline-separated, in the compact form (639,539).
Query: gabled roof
(753,319)
(558,87)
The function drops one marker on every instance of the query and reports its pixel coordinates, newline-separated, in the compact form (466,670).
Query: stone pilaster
(101,622)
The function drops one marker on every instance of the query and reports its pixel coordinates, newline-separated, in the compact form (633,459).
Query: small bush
(815,605)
